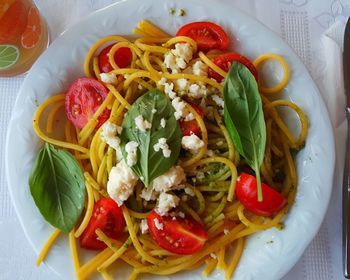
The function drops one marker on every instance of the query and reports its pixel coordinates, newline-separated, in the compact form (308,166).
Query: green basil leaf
(244,117)
(57,187)
(153,106)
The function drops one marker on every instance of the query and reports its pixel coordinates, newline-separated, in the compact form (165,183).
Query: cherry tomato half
(183,236)
(108,217)
(83,98)
(208,35)
(122,58)
(225,60)
(189,127)
(247,194)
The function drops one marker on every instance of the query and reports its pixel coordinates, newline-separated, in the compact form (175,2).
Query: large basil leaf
(57,187)
(244,117)
(153,106)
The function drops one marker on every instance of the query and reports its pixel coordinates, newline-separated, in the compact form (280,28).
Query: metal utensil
(346,179)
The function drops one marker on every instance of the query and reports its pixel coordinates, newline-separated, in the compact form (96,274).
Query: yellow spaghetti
(209,193)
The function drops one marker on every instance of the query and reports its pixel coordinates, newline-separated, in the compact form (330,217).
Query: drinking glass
(23,36)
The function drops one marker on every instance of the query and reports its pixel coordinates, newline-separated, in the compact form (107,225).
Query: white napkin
(335,99)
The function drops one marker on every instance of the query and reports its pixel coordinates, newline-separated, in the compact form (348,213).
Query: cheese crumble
(166,202)
(142,124)
(109,134)
(162,145)
(131,150)
(121,182)
(109,78)
(169,180)
(192,143)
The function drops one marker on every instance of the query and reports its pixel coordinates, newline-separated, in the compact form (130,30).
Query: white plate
(269,254)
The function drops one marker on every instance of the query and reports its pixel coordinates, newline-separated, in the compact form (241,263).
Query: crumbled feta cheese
(226,231)
(119,154)
(162,122)
(142,124)
(168,89)
(158,224)
(197,91)
(183,50)
(166,202)
(109,134)
(154,111)
(182,84)
(109,78)
(194,89)
(121,182)
(189,191)
(181,63)
(169,180)
(218,100)
(181,214)
(144,226)
(170,62)
(162,81)
(178,58)
(192,143)
(131,150)
(200,69)
(148,194)
(180,108)
(213,256)
(139,86)
(162,145)
(189,117)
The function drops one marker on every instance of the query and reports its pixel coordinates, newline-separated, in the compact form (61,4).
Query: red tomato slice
(247,194)
(122,58)
(108,217)
(208,35)
(83,98)
(189,127)
(183,236)
(225,60)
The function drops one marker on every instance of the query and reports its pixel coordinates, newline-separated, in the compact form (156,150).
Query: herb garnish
(244,117)
(152,106)
(57,187)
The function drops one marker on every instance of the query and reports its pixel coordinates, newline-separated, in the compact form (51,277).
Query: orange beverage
(23,36)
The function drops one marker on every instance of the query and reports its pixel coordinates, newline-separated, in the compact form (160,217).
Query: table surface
(299,22)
